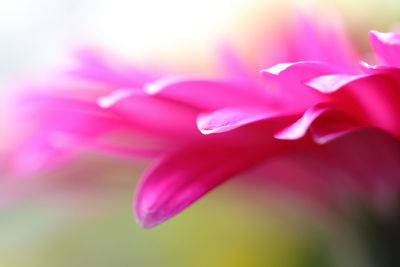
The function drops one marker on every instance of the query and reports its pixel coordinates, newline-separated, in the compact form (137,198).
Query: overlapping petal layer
(319,105)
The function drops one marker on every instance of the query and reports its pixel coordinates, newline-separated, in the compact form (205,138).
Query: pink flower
(207,131)
(61,116)
(303,105)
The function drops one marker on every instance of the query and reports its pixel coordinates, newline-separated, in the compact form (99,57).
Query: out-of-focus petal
(98,66)
(311,39)
(386,46)
(57,137)
(236,69)
(369,162)
(362,165)
(151,114)
(204,94)
(290,78)
(186,175)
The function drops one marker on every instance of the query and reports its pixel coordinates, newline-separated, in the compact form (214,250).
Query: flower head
(207,131)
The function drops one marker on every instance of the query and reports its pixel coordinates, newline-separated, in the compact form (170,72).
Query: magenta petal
(331,83)
(290,78)
(325,122)
(100,67)
(227,119)
(204,94)
(387,46)
(183,177)
(363,164)
(374,96)
(55,140)
(236,68)
(298,69)
(370,158)
(151,114)
(312,39)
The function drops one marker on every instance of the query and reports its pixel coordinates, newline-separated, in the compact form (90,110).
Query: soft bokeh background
(60,220)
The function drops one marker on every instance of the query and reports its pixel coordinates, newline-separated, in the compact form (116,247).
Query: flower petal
(227,119)
(186,175)
(311,39)
(204,94)
(325,122)
(151,114)
(100,67)
(386,46)
(290,78)
(370,97)
(54,139)
(363,164)
(333,82)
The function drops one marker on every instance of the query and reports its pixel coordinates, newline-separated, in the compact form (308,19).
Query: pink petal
(63,126)
(392,72)
(302,69)
(331,83)
(386,46)
(369,161)
(291,77)
(227,119)
(204,94)
(325,122)
(57,137)
(373,96)
(100,67)
(151,114)
(312,38)
(186,175)
(375,69)
(236,68)
(363,164)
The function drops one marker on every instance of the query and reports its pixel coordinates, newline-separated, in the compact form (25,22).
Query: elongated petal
(151,114)
(204,94)
(374,97)
(311,39)
(325,122)
(186,175)
(386,46)
(301,69)
(290,78)
(100,67)
(54,140)
(236,69)
(227,119)
(333,82)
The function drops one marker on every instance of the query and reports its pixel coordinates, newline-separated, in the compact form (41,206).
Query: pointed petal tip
(373,32)
(386,37)
(162,84)
(147,222)
(147,219)
(275,70)
(207,125)
(306,65)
